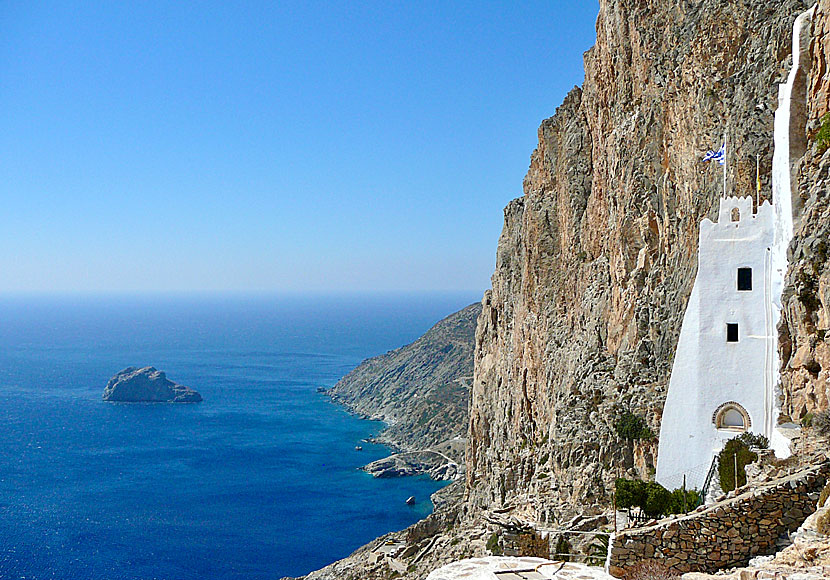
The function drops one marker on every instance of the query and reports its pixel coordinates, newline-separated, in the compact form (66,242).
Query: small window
(744,278)
(736,214)
(732,332)
(732,419)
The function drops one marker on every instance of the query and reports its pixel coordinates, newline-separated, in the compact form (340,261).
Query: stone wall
(727,533)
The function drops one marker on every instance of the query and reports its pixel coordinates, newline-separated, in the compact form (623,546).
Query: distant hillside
(420,390)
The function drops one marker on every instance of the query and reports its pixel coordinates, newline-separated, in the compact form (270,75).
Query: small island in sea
(147,385)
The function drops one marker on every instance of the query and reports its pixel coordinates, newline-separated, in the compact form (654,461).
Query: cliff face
(420,390)
(804,350)
(596,261)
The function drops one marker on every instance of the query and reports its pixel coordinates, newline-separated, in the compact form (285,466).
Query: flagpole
(725,154)
(757,182)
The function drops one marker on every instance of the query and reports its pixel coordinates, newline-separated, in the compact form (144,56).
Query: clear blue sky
(274,146)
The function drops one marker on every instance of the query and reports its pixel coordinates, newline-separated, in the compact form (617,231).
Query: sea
(260,480)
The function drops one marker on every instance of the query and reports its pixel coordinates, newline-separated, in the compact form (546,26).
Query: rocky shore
(421,392)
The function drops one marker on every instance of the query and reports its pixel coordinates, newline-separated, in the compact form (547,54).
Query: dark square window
(731,332)
(744,278)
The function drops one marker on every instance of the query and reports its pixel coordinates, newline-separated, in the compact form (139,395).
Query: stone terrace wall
(727,533)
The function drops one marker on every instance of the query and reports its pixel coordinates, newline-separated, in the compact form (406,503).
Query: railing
(707,483)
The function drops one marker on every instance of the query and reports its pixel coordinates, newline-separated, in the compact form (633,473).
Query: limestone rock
(147,385)
(596,261)
(421,390)
(803,342)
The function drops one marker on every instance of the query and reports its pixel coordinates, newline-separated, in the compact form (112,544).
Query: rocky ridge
(420,390)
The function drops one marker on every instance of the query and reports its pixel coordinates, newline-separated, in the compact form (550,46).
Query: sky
(271,146)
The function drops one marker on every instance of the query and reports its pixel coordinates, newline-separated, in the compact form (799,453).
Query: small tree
(734,454)
(658,499)
(679,506)
(630,493)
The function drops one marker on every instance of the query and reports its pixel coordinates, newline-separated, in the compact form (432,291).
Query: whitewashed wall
(709,371)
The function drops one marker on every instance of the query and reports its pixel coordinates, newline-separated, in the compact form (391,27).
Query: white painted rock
(494,567)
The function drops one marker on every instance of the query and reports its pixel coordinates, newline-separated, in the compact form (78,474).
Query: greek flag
(719,155)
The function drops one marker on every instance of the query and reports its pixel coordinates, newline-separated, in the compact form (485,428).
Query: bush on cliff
(493,544)
(822,136)
(631,426)
(734,454)
(654,499)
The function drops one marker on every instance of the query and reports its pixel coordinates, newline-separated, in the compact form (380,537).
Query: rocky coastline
(420,391)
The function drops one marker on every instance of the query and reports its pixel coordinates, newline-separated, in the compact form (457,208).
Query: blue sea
(258,481)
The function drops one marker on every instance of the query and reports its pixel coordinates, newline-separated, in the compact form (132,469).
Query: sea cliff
(597,258)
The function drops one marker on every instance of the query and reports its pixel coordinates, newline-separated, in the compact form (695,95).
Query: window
(731,416)
(736,214)
(732,332)
(744,278)
(732,419)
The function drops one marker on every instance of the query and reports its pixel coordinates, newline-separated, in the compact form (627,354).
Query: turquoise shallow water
(258,481)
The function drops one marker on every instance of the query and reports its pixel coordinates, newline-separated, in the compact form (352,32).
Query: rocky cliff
(597,259)
(420,390)
(804,350)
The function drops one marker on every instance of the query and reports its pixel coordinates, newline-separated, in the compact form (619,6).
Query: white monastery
(725,378)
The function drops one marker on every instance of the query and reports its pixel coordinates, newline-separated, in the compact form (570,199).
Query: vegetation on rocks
(822,136)
(493,544)
(633,427)
(736,454)
(654,499)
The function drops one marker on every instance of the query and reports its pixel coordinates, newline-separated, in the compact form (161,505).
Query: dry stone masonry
(727,533)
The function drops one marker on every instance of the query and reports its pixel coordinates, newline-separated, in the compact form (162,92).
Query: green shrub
(726,463)
(654,499)
(631,426)
(658,499)
(807,420)
(563,550)
(493,544)
(825,493)
(753,440)
(676,506)
(630,493)
(822,136)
